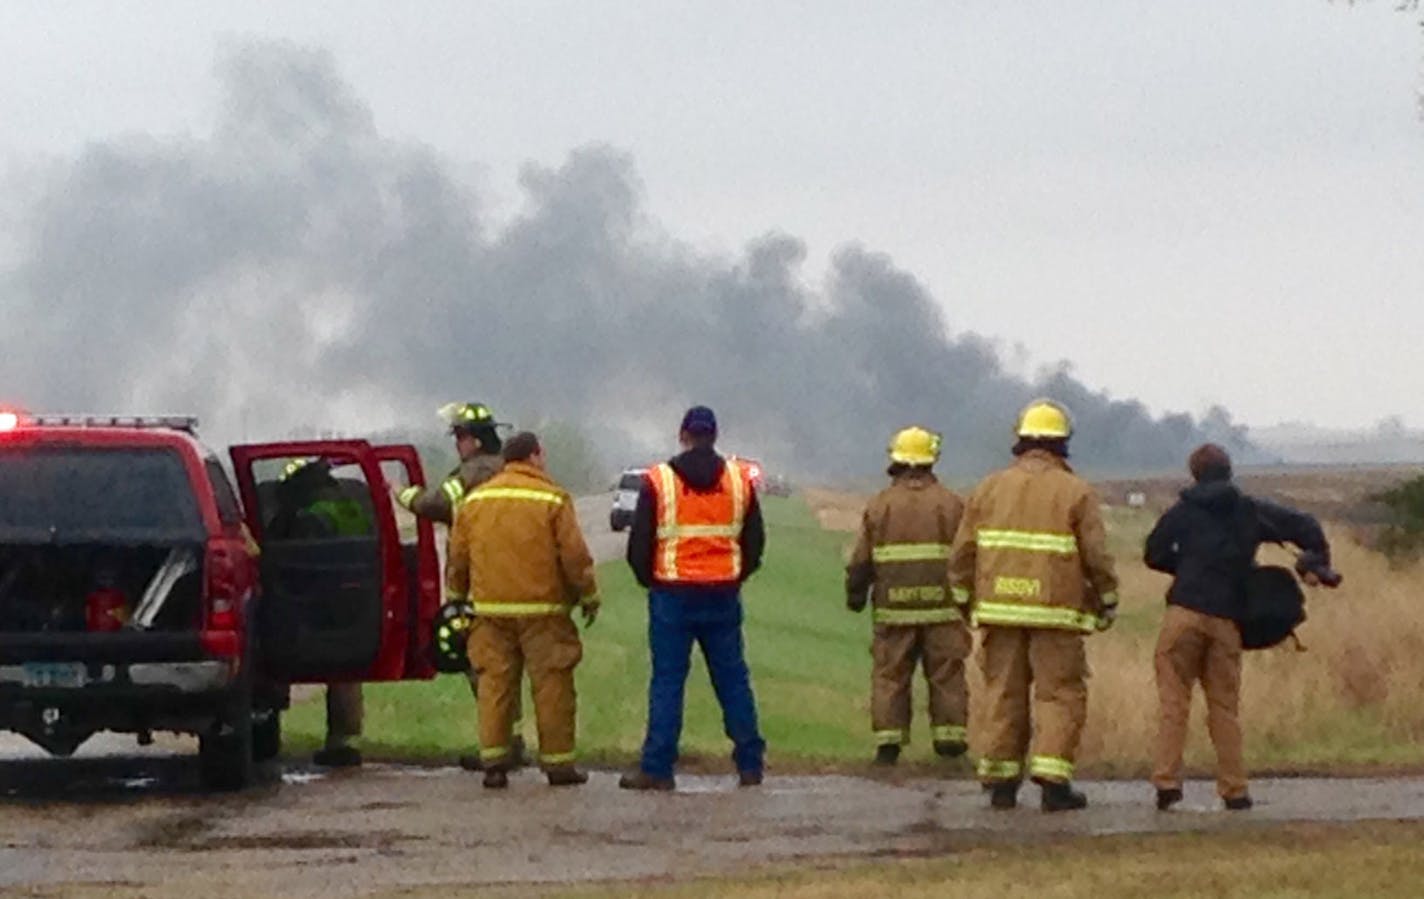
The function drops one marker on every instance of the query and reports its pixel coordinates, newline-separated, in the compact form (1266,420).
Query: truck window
(229,512)
(71,494)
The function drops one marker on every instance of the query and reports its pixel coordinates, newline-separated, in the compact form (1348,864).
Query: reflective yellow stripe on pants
(1048,767)
(1000,769)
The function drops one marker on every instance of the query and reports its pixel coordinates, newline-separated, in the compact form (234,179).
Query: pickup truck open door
(422,565)
(334,606)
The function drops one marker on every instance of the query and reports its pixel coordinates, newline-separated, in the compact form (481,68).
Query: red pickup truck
(138,593)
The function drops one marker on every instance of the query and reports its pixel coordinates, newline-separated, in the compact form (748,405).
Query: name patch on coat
(1018,586)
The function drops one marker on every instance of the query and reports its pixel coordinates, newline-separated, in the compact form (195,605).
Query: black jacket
(1208,542)
(700,470)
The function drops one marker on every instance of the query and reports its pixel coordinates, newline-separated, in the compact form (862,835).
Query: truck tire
(225,751)
(266,734)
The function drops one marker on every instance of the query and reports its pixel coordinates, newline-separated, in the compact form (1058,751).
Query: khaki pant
(345,710)
(1054,665)
(1195,647)
(499,649)
(897,650)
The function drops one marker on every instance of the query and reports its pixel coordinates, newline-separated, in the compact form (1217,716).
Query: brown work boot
(642,780)
(1168,798)
(565,776)
(750,778)
(496,778)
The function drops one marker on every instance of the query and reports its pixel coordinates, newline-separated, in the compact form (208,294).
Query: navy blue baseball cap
(700,420)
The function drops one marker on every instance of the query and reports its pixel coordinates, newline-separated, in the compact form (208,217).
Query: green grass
(810,665)
(810,662)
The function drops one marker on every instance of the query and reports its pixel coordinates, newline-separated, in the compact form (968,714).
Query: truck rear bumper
(131,680)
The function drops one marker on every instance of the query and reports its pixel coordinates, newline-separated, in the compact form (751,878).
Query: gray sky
(1194,203)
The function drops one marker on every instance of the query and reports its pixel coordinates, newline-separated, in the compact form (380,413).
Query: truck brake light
(222,589)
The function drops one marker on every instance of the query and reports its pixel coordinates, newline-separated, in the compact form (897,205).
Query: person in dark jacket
(697,534)
(1208,543)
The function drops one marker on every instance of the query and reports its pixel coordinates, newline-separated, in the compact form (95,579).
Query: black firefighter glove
(857,601)
(1314,568)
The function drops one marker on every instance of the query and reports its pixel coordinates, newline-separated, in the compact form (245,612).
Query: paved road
(593,518)
(141,824)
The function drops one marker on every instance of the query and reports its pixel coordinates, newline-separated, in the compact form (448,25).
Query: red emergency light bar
(187,423)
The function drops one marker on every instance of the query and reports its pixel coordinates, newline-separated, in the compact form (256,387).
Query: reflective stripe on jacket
(902,549)
(1031,550)
(516,548)
(439,502)
(697,532)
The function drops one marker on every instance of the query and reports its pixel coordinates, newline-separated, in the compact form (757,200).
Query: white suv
(625,499)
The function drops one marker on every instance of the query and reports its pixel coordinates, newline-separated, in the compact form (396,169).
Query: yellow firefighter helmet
(1044,419)
(915,446)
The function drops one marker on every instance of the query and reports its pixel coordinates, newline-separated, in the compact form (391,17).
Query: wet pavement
(141,823)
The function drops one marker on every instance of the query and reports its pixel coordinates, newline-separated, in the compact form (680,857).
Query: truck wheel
(266,734)
(225,751)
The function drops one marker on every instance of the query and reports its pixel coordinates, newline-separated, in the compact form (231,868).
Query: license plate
(55,674)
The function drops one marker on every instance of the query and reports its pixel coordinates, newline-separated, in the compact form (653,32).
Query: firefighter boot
(1239,803)
(1168,798)
(496,777)
(642,780)
(1004,794)
(950,749)
(565,776)
(887,754)
(1061,797)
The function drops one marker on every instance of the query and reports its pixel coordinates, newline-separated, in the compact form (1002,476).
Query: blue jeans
(714,621)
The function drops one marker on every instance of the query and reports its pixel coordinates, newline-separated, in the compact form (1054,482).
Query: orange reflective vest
(698,538)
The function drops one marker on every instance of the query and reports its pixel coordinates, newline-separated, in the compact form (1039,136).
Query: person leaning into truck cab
(478,445)
(311,505)
(899,565)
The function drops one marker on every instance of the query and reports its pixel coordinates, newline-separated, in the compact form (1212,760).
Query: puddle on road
(137,783)
(298,778)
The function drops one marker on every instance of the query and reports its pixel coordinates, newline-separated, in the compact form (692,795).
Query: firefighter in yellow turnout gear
(898,564)
(1031,560)
(517,554)
(478,446)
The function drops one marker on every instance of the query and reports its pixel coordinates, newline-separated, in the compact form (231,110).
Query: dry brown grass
(1352,698)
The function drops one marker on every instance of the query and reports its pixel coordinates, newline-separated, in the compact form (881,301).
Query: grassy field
(809,658)
(1350,701)
(1370,859)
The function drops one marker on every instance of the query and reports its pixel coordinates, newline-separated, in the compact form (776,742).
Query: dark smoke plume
(297,270)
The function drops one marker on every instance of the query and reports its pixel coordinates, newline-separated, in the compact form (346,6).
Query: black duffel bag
(1275,607)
